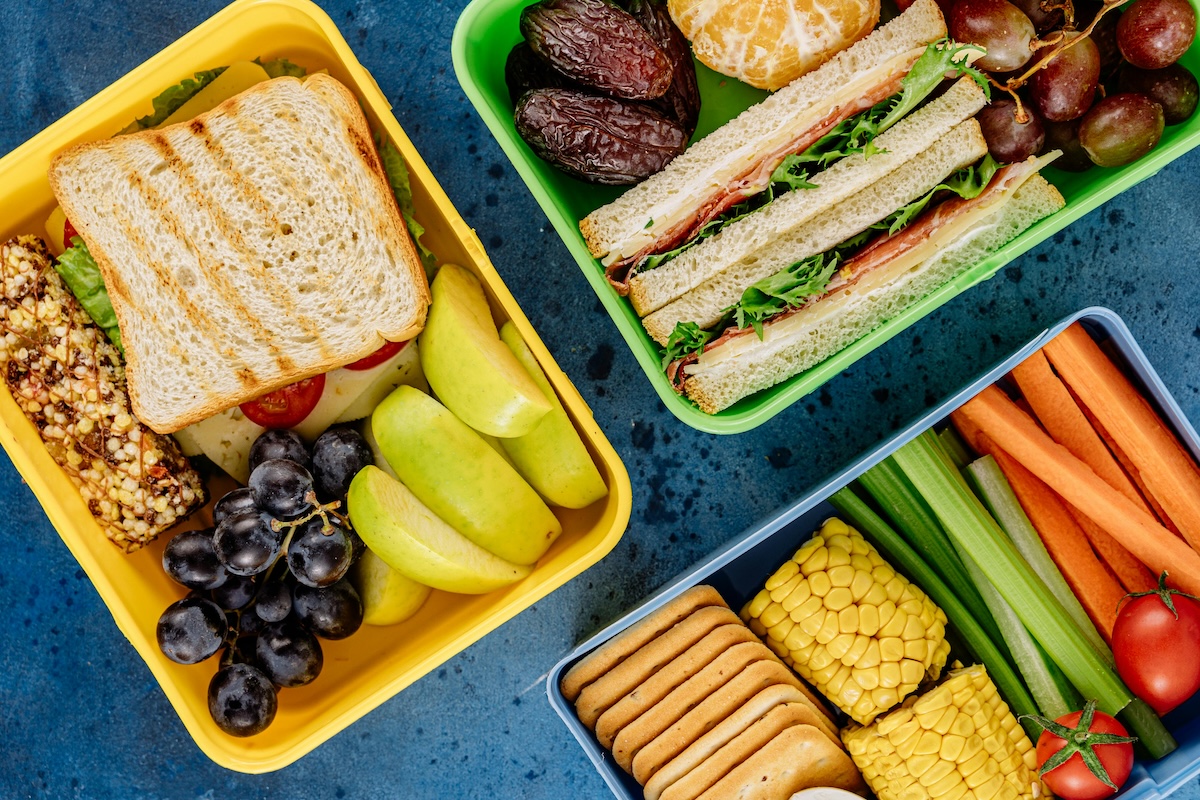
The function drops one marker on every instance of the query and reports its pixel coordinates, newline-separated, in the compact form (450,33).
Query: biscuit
(692,661)
(605,691)
(628,641)
(799,757)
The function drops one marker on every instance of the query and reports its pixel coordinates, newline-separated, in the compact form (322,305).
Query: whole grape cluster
(1097,81)
(268,580)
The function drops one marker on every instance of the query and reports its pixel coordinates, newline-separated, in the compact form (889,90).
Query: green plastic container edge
(753,411)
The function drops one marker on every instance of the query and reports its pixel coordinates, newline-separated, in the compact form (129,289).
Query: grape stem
(323,511)
(1056,46)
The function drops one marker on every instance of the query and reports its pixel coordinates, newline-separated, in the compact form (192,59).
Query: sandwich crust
(246,249)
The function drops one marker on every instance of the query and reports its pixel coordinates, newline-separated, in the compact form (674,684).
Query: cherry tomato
(68,232)
(1156,643)
(381,355)
(286,407)
(1066,774)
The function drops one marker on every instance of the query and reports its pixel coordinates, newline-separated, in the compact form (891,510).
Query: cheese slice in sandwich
(875,285)
(246,249)
(736,162)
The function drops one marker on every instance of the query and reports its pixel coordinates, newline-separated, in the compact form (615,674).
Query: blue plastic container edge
(1141,785)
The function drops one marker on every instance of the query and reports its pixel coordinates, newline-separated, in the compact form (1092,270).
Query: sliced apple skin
(389,596)
(551,457)
(468,367)
(410,538)
(461,478)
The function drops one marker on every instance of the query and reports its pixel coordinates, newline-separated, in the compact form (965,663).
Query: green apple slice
(468,367)
(388,595)
(409,537)
(551,457)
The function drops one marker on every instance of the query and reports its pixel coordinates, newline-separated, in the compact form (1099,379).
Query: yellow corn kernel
(857,650)
(797,639)
(777,647)
(870,658)
(849,694)
(887,610)
(921,763)
(810,547)
(884,698)
(847,619)
(819,659)
(868,619)
(819,583)
(780,593)
(816,562)
(952,747)
(829,628)
(912,606)
(985,773)
(772,615)
(943,785)
(861,583)
(840,645)
(876,595)
(936,772)
(917,650)
(780,631)
(785,573)
(990,787)
(807,609)
(860,562)
(839,679)
(838,539)
(757,627)
(892,628)
(797,597)
(972,750)
(838,557)
(891,650)
(839,597)
(913,629)
(825,674)
(895,588)
(759,604)
(883,575)
(841,575)
(910,671)
(860,546)
(867,678)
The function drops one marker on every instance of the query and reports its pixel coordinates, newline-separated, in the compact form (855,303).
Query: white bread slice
(253,246)
(901,143)
(619,229)
(738,368)
(704,305)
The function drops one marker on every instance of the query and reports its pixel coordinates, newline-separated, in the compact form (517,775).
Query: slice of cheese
(403,370)
(225,438)
(237,78)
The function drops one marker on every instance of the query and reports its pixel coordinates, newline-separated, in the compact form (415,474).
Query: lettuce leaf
(967,183)
(171,98)
(82,276)
(397,174)
(687,338)
(280,67)
(785,289)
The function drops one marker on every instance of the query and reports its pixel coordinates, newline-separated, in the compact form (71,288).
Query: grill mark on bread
(229,230)
(171,222)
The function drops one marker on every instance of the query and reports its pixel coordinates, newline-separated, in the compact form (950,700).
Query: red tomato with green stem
(1156,644)
(1085,755)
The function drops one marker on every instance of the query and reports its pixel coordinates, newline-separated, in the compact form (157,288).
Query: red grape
(1065,87)
(1064,136)
(1121,128)
(1042,20)
(1173,88)
(999,27)
(1008,140)
(1153,34)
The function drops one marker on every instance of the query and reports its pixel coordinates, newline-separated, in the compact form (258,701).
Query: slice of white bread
(706,304)
(253,246)
(745,365)
(650,291)
(619,229)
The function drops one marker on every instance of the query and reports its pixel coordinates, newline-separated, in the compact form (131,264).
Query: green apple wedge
(461,478)
(410,538)
(468,367)
(551,457)
(388,595)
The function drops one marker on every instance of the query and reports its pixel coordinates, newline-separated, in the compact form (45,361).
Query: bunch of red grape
(269,579)
(1098,82)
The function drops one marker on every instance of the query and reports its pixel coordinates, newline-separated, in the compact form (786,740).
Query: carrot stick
(1076,483)
(1132,574)
(1098,591)
(1134,476)
(1170,475)
(1060,416)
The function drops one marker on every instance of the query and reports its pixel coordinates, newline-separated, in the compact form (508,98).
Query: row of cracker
(693,705)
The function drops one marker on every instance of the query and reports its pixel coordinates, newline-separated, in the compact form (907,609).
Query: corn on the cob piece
(840,616)
(958,741)
(69,381)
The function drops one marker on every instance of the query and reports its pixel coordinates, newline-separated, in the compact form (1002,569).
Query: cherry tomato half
(381,355)
(68,232)
(1072,780)
(286,407)
(1157,648)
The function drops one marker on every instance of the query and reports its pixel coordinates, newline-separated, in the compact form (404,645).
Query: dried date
(597,139)
(598,44)
(682,101)
(524,72)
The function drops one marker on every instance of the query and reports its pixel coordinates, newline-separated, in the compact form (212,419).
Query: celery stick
(900,555)
(955,447)
(992,487)
(909,512)
(1054,694)
(971,527)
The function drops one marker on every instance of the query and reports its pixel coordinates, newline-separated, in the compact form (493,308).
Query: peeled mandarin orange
(770,43)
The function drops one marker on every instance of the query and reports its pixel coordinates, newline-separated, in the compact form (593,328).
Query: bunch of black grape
(269,580)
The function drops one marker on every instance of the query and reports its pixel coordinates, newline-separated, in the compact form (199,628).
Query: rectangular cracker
(799,757)
(605,691)
(683,667)
(628,641)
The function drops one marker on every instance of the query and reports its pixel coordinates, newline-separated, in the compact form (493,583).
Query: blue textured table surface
(81,716)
